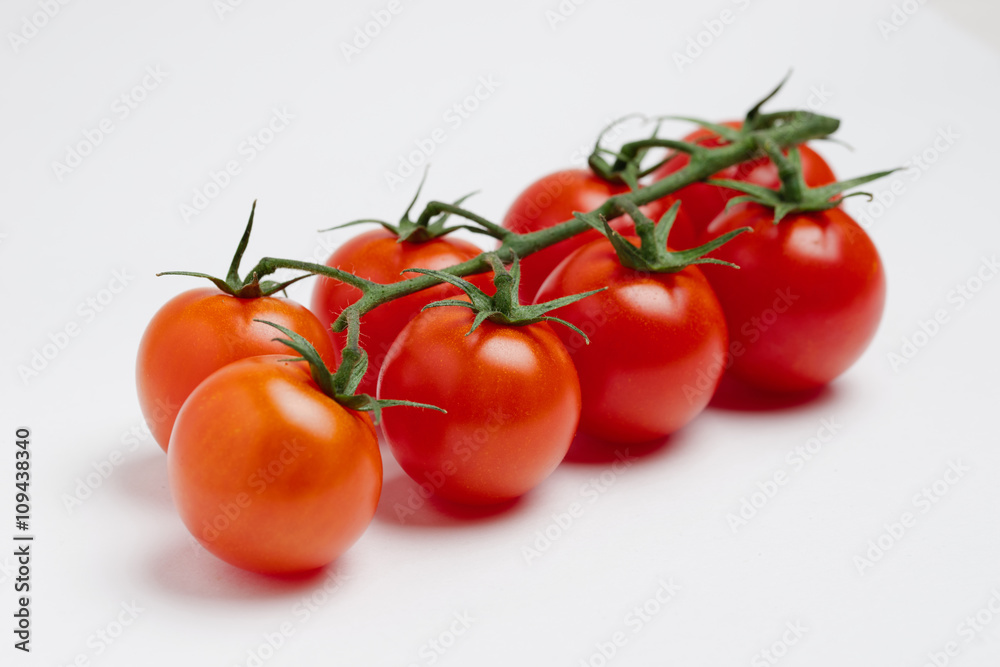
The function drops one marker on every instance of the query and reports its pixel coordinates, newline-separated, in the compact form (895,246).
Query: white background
(664,519)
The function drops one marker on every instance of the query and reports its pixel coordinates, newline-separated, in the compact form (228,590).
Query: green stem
(269,265)
(789,172)
(782,129)
(438,207)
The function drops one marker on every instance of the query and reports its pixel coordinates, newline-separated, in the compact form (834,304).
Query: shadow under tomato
(736,396)
(189,570)
(404,503)
(142,476)
(586,450)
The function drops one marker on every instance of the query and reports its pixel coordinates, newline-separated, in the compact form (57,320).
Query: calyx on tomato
(627,165)
(248,288)
(431,222)
(504,307)
(652,253)
(794,195)
(341,385)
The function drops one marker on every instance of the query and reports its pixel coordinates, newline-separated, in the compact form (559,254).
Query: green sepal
(504,307)
(218,282)
(627,167)
(250,287)
(652,254)
(596,161)
(425,227)
(795,196)
(233,277)
(368,403)
(320,373)
(753,117)
(268,287)
(754,120)
(729,134)
(340,386)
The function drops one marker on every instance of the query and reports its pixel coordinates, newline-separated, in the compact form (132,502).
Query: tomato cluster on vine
(613,303)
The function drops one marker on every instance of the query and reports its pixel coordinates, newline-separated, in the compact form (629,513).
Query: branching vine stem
(780,129)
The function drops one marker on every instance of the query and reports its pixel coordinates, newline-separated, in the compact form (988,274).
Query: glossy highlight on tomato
(657,343)
(512,400)
(270,474)
(806,301)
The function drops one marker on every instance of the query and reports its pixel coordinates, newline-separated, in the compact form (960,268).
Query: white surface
(980,17)
(664,518)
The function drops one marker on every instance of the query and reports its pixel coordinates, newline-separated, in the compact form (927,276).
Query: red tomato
(702,202)
(657,343)
(807,299)
(553,199)
(377,256)
(267,472)
(512,400)
(198,332)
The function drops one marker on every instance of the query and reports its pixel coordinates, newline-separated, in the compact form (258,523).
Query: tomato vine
(780,129)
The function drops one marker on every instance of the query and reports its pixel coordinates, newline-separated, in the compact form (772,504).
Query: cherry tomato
(657,343)
(807,299)
(553,199)
(200,331)
(378,256)
(267,472)
(512,400)
(702,202)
